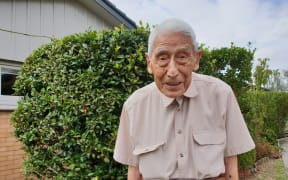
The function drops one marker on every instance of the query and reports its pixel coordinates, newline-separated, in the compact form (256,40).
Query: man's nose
(172,69)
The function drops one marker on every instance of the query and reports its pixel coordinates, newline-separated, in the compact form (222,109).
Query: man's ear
(198,56)
(149,65)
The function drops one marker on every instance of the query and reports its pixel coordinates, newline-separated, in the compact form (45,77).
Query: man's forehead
(176,48)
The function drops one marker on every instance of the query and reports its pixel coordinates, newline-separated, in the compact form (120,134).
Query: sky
(217,23)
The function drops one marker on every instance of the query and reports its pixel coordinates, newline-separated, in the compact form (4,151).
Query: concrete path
(284,145)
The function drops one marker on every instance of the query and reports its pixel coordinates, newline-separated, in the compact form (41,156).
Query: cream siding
(53,18)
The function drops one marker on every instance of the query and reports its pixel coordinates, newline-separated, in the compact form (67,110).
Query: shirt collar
(191,92)
(166,100)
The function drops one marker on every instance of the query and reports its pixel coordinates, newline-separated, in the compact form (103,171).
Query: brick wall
(11,154)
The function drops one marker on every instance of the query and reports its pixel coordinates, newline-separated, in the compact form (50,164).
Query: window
(8,77)
(8,74)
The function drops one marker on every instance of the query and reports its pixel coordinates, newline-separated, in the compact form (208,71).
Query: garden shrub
(247,160)
(231,64)
(271,109)
(266,116)
(276,114)
(73,90)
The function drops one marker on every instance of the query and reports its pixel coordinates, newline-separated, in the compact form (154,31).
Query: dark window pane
(8,77)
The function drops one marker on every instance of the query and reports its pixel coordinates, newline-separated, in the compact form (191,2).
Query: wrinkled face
(172,62)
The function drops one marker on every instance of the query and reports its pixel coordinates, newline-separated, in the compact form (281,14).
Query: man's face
(172,62)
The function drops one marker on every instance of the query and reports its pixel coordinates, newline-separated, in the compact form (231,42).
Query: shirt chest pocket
(151,160)
(209,150)
(210,138)
(140,150)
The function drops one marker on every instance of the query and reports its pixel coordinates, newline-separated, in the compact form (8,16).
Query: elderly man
(183,125)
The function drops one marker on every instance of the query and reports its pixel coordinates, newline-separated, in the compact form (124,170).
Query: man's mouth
(173,83)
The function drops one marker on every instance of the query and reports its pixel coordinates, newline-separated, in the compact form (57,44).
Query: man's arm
(231,168)
(133,173)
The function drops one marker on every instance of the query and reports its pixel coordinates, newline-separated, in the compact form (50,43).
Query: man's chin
(173,94)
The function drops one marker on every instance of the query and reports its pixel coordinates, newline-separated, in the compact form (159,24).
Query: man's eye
(163,58)
(183,56)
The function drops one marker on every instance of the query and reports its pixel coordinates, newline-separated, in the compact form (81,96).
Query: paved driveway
(284,144)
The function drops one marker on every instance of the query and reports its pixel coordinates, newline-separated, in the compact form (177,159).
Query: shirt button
(179,131)
(178,109)
(181,155)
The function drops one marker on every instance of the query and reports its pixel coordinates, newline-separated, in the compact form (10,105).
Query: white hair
(172,25)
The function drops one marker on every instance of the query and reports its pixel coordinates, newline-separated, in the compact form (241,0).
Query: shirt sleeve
(239,139)
(124,144)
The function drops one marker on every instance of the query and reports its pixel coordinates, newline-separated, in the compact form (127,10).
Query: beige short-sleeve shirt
(187,137)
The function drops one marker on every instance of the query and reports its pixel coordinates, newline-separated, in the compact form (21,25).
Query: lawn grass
(279,170)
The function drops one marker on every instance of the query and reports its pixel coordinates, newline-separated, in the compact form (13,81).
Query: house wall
(46,18)
(11,154)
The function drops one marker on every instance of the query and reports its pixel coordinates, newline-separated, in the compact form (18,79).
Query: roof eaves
(117,13)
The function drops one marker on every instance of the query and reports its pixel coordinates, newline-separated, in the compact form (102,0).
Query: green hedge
(231,64)
(267,115)
(73,92)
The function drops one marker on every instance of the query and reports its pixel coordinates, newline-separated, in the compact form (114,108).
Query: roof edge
(117,13)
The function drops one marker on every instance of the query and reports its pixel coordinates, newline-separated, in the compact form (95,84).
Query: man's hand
(133,173)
